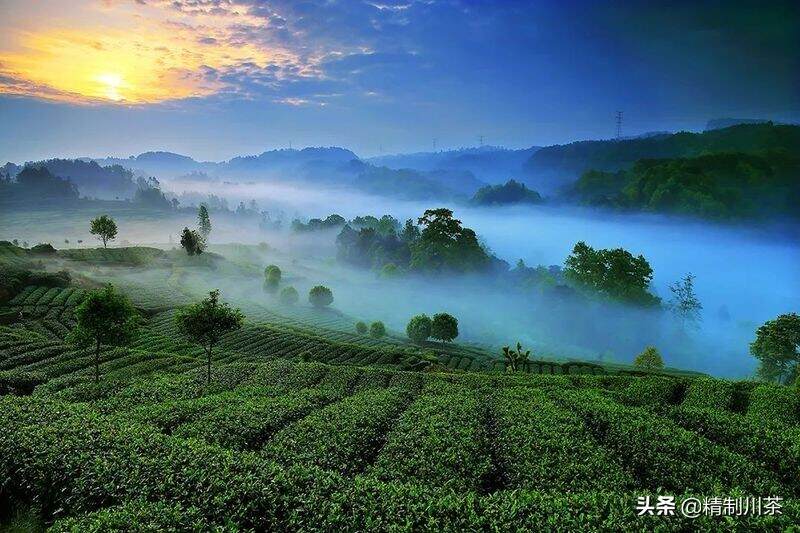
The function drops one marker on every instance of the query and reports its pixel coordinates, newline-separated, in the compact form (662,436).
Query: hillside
(491,164)
(554,167)
(308,425)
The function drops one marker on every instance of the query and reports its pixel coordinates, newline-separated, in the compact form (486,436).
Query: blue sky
(217,78)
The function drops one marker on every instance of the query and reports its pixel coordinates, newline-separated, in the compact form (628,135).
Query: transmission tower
(619,124)
(434,144)
(480,140)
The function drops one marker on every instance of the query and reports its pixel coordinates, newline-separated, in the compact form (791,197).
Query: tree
(192,242)
(684,303)
(104,227)
(516,360)
(289,295)
(361,327)
(616,273)
(272,276)
(419,328)
(320,296)
(105,317)
(777,347)
(377,330)
(204,222)
(206,321)
(444,327)
(649,359)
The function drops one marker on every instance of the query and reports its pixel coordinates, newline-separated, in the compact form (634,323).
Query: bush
(272,275)
(377,330)
(43,249)
(289,295)
(649,359)
(774,404)
(361,328)
(444,327)
(419,328)
(709,393)
(320,296)
(20,383)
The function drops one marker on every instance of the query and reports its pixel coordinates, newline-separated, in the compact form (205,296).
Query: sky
(217,78)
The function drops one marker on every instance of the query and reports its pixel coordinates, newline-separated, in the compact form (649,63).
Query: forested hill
(553,167)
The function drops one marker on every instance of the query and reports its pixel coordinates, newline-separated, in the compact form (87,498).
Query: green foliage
(205,323)
(444,327)
(20,383)
(105,317)
(615,274)
(272,278)
(389,271)
(684,304)
(204,222)
(650,359)
(777,347)
(516,360)
(419,328)
(289,295)
(192,242)
(717,186)
(512,192)
(361,328)
(317,224)
(377,330)
(320,296)
(104,227)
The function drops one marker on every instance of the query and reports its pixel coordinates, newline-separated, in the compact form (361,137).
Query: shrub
(377,330)
(774,404)
(20,383)
(649,359)
(444,327)
(361,328)
(709,393)
(320,296)
(289,295)
(272,275)
(43,249)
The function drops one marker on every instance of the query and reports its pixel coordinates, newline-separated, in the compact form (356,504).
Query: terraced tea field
(291,445)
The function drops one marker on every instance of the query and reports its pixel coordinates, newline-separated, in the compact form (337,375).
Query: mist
(745,275)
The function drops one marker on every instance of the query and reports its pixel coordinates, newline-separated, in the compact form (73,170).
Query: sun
(111,83)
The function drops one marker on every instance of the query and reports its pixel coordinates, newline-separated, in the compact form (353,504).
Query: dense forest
(511,192)
(718,186)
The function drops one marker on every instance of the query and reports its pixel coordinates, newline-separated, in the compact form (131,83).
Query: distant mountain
(91,179)
(490,164)
(552,168)
(158,164)
(720,123)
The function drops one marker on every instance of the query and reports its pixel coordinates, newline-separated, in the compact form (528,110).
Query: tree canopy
(614,273)
(192,242)
(206,322)
(320,296)
(105,317)
(104,227)
(777,347)
(649,359)
(419,328)
(444,327)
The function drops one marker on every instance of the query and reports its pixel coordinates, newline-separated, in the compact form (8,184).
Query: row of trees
(107,318)
(376,329)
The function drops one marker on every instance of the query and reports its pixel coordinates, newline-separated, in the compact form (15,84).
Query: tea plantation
(311,429)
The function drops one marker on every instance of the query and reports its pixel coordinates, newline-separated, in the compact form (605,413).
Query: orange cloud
(154,59)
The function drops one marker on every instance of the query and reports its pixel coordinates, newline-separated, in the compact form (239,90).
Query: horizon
(217,79)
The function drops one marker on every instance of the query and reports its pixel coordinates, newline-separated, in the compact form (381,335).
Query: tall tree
(206,321)
(684,304)
(105,317)
(204,222)
(104,227)
(777,347)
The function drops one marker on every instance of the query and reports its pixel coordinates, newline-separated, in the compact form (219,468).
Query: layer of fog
(744,276)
